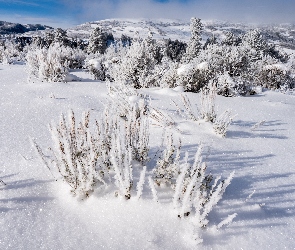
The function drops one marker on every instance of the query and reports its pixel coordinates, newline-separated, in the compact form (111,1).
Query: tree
(97,42)
(210,41)
(194,45)
(60,36)
(175,49)
(254,40)
(230,39)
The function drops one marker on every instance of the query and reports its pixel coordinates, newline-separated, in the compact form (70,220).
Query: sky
(67,13)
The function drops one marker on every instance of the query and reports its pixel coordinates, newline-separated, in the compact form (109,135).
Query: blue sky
(66,13)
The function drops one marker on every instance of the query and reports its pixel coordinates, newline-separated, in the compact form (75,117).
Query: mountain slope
(283,34)
(7,28)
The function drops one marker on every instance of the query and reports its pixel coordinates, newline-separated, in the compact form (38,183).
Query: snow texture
(38,212)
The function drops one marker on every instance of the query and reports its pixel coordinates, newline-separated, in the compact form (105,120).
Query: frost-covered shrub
(225,85)
(83,154)
(4,56)
(10,52)
(121,157)
(187,112)
(275,76)
(134,111)
(60,36)
(254,40)
(165,74)
(137,131)
(167,168)
(97,41)
(86,156)
(175,49)
(52,64)
(213,62)
(75,57)
(230,39)
(136,67)
(193,76)
(207,109)
(231,86)
(106,66)
(76,154)
(221,59)
(96,67)
(222,123)
(195,192)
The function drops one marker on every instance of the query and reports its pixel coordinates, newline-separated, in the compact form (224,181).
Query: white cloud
(262,11)
(23,19)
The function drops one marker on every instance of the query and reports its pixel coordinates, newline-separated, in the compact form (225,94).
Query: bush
(76,154)
(47,64)
(193,190)
(207,110)
(96,67)
(193,77)
(52,64)
(222,122)
(167,168)
(275,76)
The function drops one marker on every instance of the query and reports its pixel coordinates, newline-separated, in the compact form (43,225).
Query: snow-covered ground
(37,212)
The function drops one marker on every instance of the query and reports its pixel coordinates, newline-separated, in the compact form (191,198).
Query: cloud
(29,3)
(24,19)
(262,11)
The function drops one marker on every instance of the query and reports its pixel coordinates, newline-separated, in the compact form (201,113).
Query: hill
(283,34)
(7,28)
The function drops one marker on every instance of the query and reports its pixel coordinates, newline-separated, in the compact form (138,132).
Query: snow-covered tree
(175,49)
(97,41)
(136,67)
(210,41)
(230,39)
(60,36)
(194,44)
(254,40)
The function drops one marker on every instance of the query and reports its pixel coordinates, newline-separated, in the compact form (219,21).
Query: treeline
(235,65)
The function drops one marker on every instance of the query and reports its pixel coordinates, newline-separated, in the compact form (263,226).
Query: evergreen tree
(254,40)
(194,45)
(126,40)
(210,41)
(175,49)
(230,39)
(60,36)
(97,42)
(48,40)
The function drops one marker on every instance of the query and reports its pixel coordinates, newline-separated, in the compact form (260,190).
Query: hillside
(283,34)
(7,28)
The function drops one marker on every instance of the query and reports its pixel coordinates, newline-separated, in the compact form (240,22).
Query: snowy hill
(7,28)
(283,34)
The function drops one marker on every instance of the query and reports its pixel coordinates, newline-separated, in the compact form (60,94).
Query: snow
(279,66)
(202,66)
(71,78)
(38,212)
(95,63)
(183,69)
